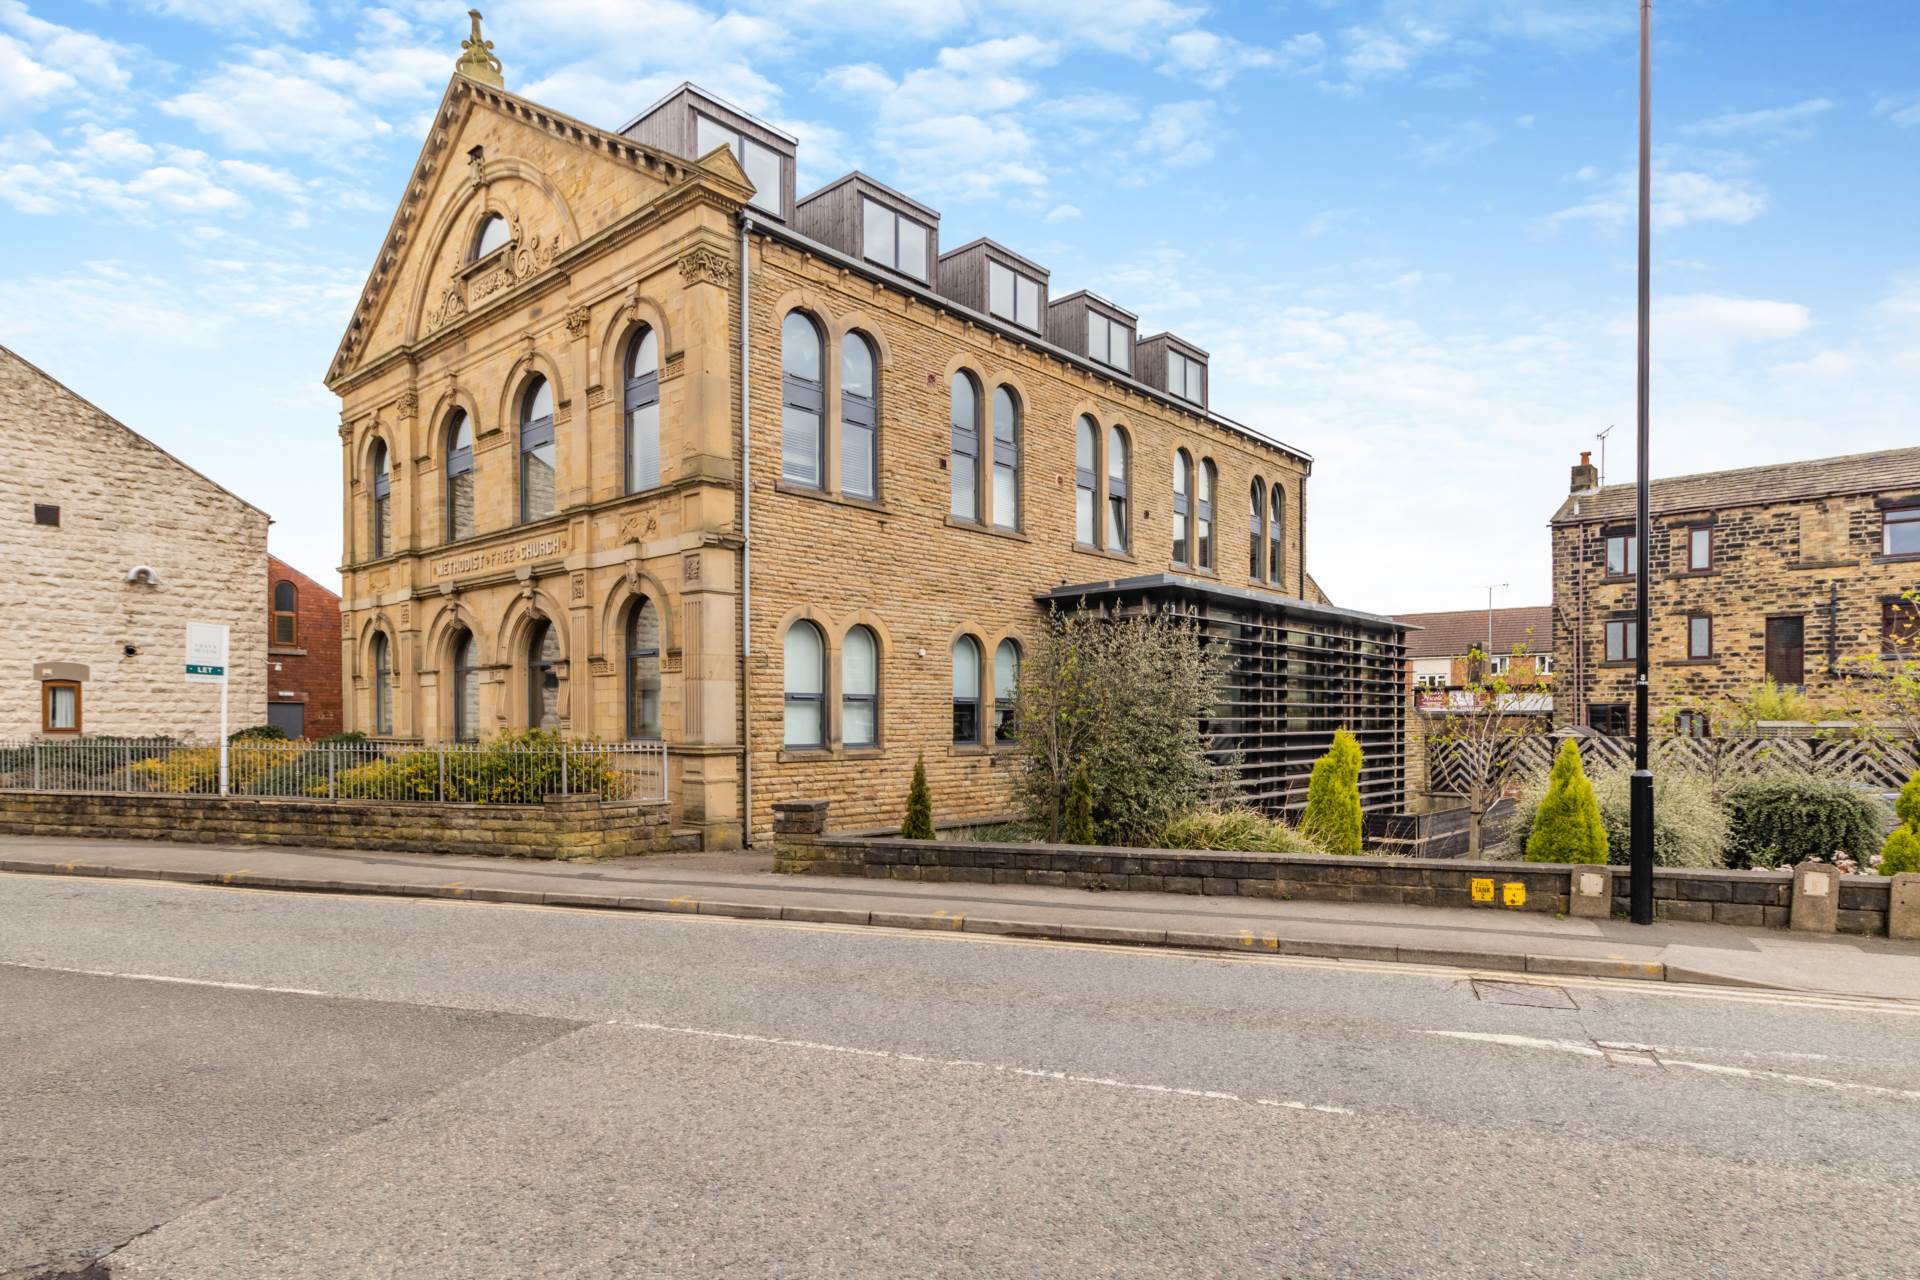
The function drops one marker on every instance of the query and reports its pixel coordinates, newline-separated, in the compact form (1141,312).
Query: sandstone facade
(528,619)
(116,503)
(1799,551)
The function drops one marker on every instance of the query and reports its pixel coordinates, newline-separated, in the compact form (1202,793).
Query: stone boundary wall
(562,827)
(1754,898)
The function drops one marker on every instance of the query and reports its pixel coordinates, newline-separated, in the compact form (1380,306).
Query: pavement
(744,885)
(200,1082)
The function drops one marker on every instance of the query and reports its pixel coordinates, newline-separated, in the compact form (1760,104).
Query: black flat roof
(1171,582)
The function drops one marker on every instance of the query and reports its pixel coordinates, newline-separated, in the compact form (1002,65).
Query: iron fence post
(330,773)
(563,768)
(36,766)
(440,750)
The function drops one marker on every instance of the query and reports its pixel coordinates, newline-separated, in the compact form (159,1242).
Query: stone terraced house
(111,546)
(1784,571)
(639,443)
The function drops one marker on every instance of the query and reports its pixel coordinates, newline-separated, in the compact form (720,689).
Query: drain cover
(1526,993)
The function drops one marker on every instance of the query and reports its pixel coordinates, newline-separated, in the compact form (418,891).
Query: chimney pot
(1586,457)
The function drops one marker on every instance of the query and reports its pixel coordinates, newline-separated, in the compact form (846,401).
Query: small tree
(1567,827)
(1481,736)
(919,823)
(1332,818)
(1080,806)
(1907,807)
(1901,852)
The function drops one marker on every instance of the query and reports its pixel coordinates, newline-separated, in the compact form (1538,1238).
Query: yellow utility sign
(1513,894)
(1483,889)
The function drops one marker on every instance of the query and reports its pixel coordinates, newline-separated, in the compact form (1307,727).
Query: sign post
(207,664)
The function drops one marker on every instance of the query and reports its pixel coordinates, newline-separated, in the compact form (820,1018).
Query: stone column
(1816,898)
(707,756)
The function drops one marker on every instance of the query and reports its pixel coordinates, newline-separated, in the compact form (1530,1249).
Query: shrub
(919,821)
(1332,817)
(1781,819)
(1689,826)
(1079,829)
(1234,830)
(1901,852)
(1566,826)
(265,732)
(514,768)
(1907,807)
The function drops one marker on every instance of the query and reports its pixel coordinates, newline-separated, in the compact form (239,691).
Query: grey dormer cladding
(673,125)
(1069,325)
(1151,365)
(838,214)
(965,275)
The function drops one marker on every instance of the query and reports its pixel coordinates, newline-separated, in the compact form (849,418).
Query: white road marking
(1034,1073)
(1586,1049)
(745,1037)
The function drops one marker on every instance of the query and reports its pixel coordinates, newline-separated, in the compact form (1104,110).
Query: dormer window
(762,163)
(1013,296)
(1109,341)
(493,234)
(893,240)
(1186,377)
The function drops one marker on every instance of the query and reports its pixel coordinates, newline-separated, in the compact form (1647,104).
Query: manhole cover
(1526,993)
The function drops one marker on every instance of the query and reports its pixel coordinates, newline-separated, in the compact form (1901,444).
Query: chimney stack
(1586,476)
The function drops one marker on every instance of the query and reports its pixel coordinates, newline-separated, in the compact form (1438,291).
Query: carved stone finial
(476,57)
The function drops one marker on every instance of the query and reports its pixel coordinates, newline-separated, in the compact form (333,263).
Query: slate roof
(1454,633)
(1752,486)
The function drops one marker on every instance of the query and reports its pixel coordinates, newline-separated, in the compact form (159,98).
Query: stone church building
(639,443)
(111,546)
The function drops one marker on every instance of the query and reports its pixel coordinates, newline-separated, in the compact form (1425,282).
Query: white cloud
(1214,59)
(1680,197)
(1900,110)
(112,146)
(1454,142)
(279,100)
(25,82)
(1063,213)
(1706,324)
(1178,133)
(1778,122)
(290,16)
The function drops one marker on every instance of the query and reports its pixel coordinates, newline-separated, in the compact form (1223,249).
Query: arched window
(1277,536)
(1182,507)
(537,473)
(286,613)
(1119,525)
(382,685)
(643,412)
(466,689)
(803,382)
(806,686)
(1257,530)
(860,689)
(1203,511)
(459,476)
(382,501)
(1086,479)
(1006,686)
(643,671)
(493,234)
(965,463)
(859,418)
(543,676)
(1006,459)
(966,689)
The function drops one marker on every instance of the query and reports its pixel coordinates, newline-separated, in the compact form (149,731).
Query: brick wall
(65,595)
(563,827)
(305,669)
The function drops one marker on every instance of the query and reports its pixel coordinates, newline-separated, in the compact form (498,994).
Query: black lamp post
(1640,901)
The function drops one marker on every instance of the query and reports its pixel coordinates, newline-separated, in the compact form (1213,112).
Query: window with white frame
(1013,295)
(806,686)
(860,688)
(892,239)
(859,417)
(1186,377)
(1086,481)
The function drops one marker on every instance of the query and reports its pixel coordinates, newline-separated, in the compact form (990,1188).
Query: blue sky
(1403,228)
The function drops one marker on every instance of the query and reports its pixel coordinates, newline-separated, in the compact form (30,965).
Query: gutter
(746,560)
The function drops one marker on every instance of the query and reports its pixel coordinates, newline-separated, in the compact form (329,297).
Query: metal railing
(505,772)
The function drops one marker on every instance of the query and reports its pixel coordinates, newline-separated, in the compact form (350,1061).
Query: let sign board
(206,653)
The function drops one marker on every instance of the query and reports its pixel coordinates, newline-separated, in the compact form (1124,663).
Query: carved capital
(408,405)
(577,323)
(704,266)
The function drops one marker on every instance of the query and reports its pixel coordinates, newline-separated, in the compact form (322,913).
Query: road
(203,1082)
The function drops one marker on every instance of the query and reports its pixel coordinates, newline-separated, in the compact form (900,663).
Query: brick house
(111,547)
(303,655)
(639,443)
(1784,571)
(1438,652)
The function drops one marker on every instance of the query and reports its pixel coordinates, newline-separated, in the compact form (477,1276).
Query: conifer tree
(1567,827)
(1908,805)
(919,823)
(1332,818)
(1901,852)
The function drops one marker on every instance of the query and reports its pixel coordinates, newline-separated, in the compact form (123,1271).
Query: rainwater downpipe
(746,563)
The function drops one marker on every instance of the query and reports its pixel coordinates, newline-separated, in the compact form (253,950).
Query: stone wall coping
(349,803)
(1487,866)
